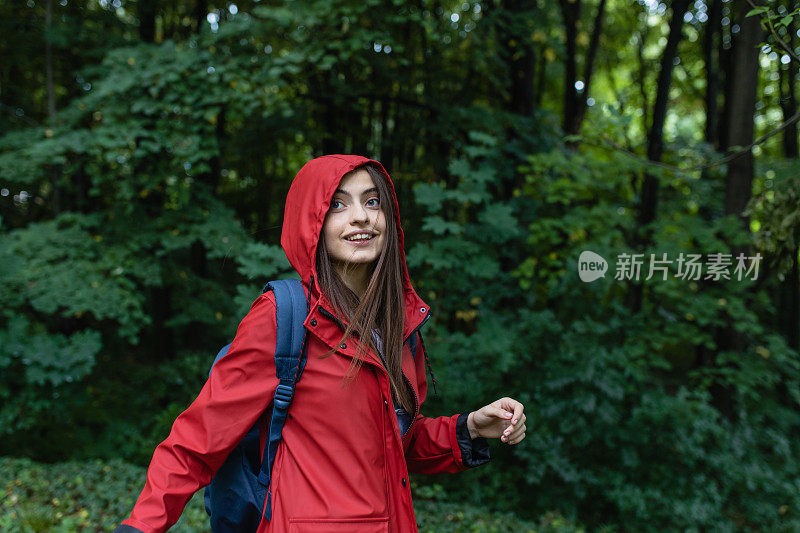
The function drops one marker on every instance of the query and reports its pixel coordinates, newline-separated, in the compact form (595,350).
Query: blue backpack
(235,497)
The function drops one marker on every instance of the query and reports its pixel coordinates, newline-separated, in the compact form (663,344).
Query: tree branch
(608,143)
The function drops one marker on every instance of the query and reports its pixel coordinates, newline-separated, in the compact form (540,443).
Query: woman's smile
(360,239)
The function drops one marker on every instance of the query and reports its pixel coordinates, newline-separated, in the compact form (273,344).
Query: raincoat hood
(307,204)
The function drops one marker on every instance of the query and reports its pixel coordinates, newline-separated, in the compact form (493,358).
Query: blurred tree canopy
(146,148)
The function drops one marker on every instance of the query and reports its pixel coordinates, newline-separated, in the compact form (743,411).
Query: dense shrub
(647,418)
(97,495)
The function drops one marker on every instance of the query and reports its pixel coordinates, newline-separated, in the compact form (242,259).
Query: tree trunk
(213,177)
(265,172)
(522,69)
(789,295)
(642,79)
(711,44)
(712,48)
(386,147)
(146,11)
(588,70)
(541,80)
(726,68)
(655,137)
(655,141)
(51,100)
(788,98)
(48,50)
(162,337)
(327,114)
(740,110)
(518,56)
(570,14)
(199,14)
(360,123)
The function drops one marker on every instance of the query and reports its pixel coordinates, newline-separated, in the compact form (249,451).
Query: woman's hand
(503,418)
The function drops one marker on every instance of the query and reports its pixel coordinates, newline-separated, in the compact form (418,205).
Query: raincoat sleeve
(231,401)
(442,444)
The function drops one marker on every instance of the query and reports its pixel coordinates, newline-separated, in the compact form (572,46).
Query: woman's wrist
(473,431)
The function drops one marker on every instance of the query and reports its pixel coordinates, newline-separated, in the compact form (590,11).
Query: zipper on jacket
(410,386)
(416,407)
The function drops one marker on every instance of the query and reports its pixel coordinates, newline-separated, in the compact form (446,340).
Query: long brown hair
(382,306)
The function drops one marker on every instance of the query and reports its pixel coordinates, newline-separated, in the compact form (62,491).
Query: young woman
(355,430)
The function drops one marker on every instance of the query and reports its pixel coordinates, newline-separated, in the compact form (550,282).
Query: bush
(77,496)
(98,495)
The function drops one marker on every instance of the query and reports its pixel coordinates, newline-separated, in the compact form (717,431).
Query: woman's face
(355,226)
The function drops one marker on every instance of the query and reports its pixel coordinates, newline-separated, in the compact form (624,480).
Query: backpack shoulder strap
(291,310)
(290,313)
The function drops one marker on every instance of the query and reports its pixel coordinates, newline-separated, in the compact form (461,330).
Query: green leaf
(438,226)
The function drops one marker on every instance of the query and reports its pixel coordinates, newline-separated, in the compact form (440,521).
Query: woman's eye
(373,202)
(336,204)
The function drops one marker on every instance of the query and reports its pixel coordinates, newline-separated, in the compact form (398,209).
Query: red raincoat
(342,465)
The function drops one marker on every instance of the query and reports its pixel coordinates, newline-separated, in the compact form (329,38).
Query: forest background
(146,148)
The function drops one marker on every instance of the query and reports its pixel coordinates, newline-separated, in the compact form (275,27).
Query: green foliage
(774,21)
(626,423)
(62,268)
(138,259)
(97,495)
(260,262)
(630,401)
(74,496)
(476,342)
(56,359)
(151,219)
(775,209)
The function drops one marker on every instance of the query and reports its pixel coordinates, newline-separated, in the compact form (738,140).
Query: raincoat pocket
(338,525)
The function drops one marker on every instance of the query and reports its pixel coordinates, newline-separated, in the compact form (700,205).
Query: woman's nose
(359,214)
